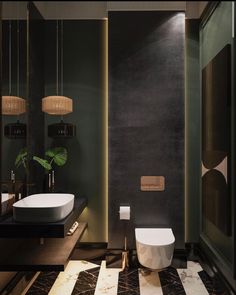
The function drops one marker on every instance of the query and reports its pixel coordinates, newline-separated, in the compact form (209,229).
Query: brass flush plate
(152,183)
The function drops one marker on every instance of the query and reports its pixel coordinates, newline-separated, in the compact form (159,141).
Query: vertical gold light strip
(1,139)
(28,180)
(233,19)
(186,188)
(106,161)
(105,125)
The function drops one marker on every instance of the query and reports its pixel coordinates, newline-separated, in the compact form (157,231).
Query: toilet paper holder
(124,212)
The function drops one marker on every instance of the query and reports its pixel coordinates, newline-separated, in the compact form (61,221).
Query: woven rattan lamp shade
(57,105)
(13,105)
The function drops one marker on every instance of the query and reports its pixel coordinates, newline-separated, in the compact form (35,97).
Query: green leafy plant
(44,163)
(57,155)
(21,158)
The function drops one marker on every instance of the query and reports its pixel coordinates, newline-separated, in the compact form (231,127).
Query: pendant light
(59,104)
(14,105)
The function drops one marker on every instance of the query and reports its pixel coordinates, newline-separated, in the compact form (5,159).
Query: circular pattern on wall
(216,199)
(211,159)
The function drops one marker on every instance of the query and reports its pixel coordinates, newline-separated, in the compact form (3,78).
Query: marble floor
(85,278)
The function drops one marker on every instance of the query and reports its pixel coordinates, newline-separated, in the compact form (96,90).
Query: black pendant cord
(57,59)
(18,64)
(62,62)
(62,57)
(18,59)
(10,57)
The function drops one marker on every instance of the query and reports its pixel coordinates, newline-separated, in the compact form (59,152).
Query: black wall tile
(146,121)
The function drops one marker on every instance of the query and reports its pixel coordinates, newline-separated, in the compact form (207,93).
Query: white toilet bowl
(155,247)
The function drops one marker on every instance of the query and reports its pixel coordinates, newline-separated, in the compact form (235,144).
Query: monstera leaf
(44,163)
(58,155)
(21,158)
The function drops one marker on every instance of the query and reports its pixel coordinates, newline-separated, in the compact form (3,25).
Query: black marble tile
(192,252)
(128,283)
(213,285)
(114,260)
(91,255)
(170,282)
(86,282)
(179,261)
(43,283)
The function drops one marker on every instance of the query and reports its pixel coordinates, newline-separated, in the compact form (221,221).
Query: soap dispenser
(52,190)
(11,187)
(50,182)
(13,178)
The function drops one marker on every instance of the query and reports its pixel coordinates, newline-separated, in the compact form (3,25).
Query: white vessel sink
(51,207)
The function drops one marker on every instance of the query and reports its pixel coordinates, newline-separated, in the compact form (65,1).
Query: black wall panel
(146,121)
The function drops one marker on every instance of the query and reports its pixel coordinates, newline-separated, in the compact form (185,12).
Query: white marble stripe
(150,284)
(66,280)
(190,279)
(107,282)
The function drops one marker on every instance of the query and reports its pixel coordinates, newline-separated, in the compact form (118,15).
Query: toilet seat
(154,236)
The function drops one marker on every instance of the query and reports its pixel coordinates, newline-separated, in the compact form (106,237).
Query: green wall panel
(193,139)
(216,33)
(84,77)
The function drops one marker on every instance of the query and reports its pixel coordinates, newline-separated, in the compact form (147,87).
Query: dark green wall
(11,147)
(35,85)
(83,82)
(216,33)
(193,126)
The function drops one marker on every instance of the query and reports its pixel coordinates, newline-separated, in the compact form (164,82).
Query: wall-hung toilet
(155,247)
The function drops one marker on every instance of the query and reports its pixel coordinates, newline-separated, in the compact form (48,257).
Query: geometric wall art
(216,141)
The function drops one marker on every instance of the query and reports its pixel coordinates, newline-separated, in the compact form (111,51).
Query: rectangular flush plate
(152,183)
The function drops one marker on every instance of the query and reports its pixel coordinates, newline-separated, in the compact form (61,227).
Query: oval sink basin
(43,207)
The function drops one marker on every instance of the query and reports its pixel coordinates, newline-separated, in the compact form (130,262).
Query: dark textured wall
(146,121)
